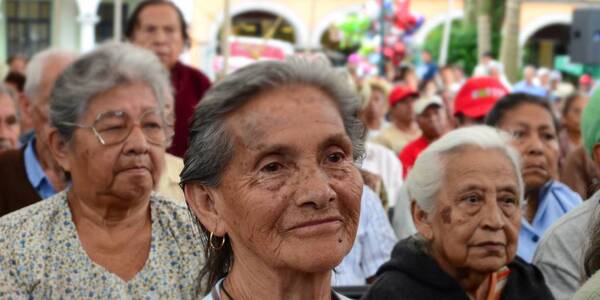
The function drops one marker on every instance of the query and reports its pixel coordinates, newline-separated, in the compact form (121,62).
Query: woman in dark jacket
(466,191)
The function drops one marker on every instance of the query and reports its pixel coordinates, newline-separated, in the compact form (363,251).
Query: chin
(490,265)
(315,257)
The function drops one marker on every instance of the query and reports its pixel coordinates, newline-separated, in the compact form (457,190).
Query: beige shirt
(168,185)
(395,139)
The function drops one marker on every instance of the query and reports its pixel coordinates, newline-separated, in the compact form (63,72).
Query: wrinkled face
(290,196)
(433,122)
(476,221)
(535,137)
(403,110)
(127,170)
(572,118)
(9,125)
(159,30)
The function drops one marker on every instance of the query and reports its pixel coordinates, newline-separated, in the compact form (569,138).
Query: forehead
(7,105)
(285,110)
(158,14)
(528,114)
(476,166)
(132,98)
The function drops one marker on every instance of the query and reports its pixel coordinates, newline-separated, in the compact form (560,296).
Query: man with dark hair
(17,63)
(159,25)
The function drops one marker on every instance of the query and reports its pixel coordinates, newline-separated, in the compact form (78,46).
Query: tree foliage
(462,48)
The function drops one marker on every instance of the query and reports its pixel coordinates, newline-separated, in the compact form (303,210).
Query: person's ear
(201,200)
(421,220)
(59,149)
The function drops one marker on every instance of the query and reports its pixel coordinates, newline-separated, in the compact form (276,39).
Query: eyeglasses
(113,127)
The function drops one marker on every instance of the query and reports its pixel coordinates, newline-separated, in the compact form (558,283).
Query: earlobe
(201,200)
(58,148)
(421,220)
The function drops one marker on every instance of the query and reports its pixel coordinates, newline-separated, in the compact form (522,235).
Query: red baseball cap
(478,95)
(585,79)
(401,92)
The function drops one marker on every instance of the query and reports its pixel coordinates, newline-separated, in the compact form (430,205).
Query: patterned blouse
(41,257)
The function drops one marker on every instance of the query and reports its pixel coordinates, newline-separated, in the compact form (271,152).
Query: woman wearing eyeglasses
(107,236)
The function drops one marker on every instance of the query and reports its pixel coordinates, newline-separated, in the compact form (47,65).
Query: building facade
(27,26)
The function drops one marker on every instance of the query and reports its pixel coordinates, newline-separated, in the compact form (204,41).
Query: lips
(492,246)
(317,224)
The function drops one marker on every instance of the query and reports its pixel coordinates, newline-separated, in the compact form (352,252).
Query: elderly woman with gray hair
(468,217)
(107,236)
(271,178)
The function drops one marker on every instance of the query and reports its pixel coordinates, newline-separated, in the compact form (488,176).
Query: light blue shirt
(524,87)
(372,247)
(556,199)
(35,173)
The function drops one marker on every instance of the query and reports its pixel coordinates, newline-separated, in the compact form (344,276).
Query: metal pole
(225,38)
(117,21)
(382,42)
(443,59)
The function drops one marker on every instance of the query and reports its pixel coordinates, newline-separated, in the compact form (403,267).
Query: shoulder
(35,214)
(9,158)
(590,290)
(192,72)
(525,280)
(565,195)
(571,222)
(24,230)
(175,219)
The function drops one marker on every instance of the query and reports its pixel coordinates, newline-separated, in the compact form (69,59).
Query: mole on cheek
(446,215)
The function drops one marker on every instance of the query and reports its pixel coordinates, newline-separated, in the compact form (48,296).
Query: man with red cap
(402,129)
(433,122)
(585,84)
(476,98)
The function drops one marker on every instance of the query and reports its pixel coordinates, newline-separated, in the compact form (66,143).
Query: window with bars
(27,26)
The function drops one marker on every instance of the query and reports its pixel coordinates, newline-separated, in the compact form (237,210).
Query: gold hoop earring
(212,246)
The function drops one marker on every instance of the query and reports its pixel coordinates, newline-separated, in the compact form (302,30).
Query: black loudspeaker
(584,46)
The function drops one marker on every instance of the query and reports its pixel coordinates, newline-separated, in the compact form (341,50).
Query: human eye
(335,158)
(271,167)
(472,198)
(548,136)
(517,133)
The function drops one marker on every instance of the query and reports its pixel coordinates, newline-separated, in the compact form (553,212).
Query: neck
(532,197)
(107,211)
(259,281)
(574,136)
(473,283)
(404,125)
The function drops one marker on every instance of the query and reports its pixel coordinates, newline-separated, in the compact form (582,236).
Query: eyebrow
(335,139)
(286,150)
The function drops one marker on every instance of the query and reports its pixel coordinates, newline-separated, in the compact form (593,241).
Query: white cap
(424,102)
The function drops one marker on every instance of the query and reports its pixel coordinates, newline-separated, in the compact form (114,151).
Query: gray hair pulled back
(426,178)
(108,66)
(211,148)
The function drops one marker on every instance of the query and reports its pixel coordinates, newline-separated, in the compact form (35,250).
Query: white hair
(37,65)
(425,179)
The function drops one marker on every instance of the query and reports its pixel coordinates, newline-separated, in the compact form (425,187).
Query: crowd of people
(128,174)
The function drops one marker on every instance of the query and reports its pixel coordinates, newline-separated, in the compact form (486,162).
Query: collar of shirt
(35,173)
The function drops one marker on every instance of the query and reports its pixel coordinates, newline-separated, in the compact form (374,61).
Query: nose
(136,142)
(534,145)
(159,36)
(492,216)
(314,189)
